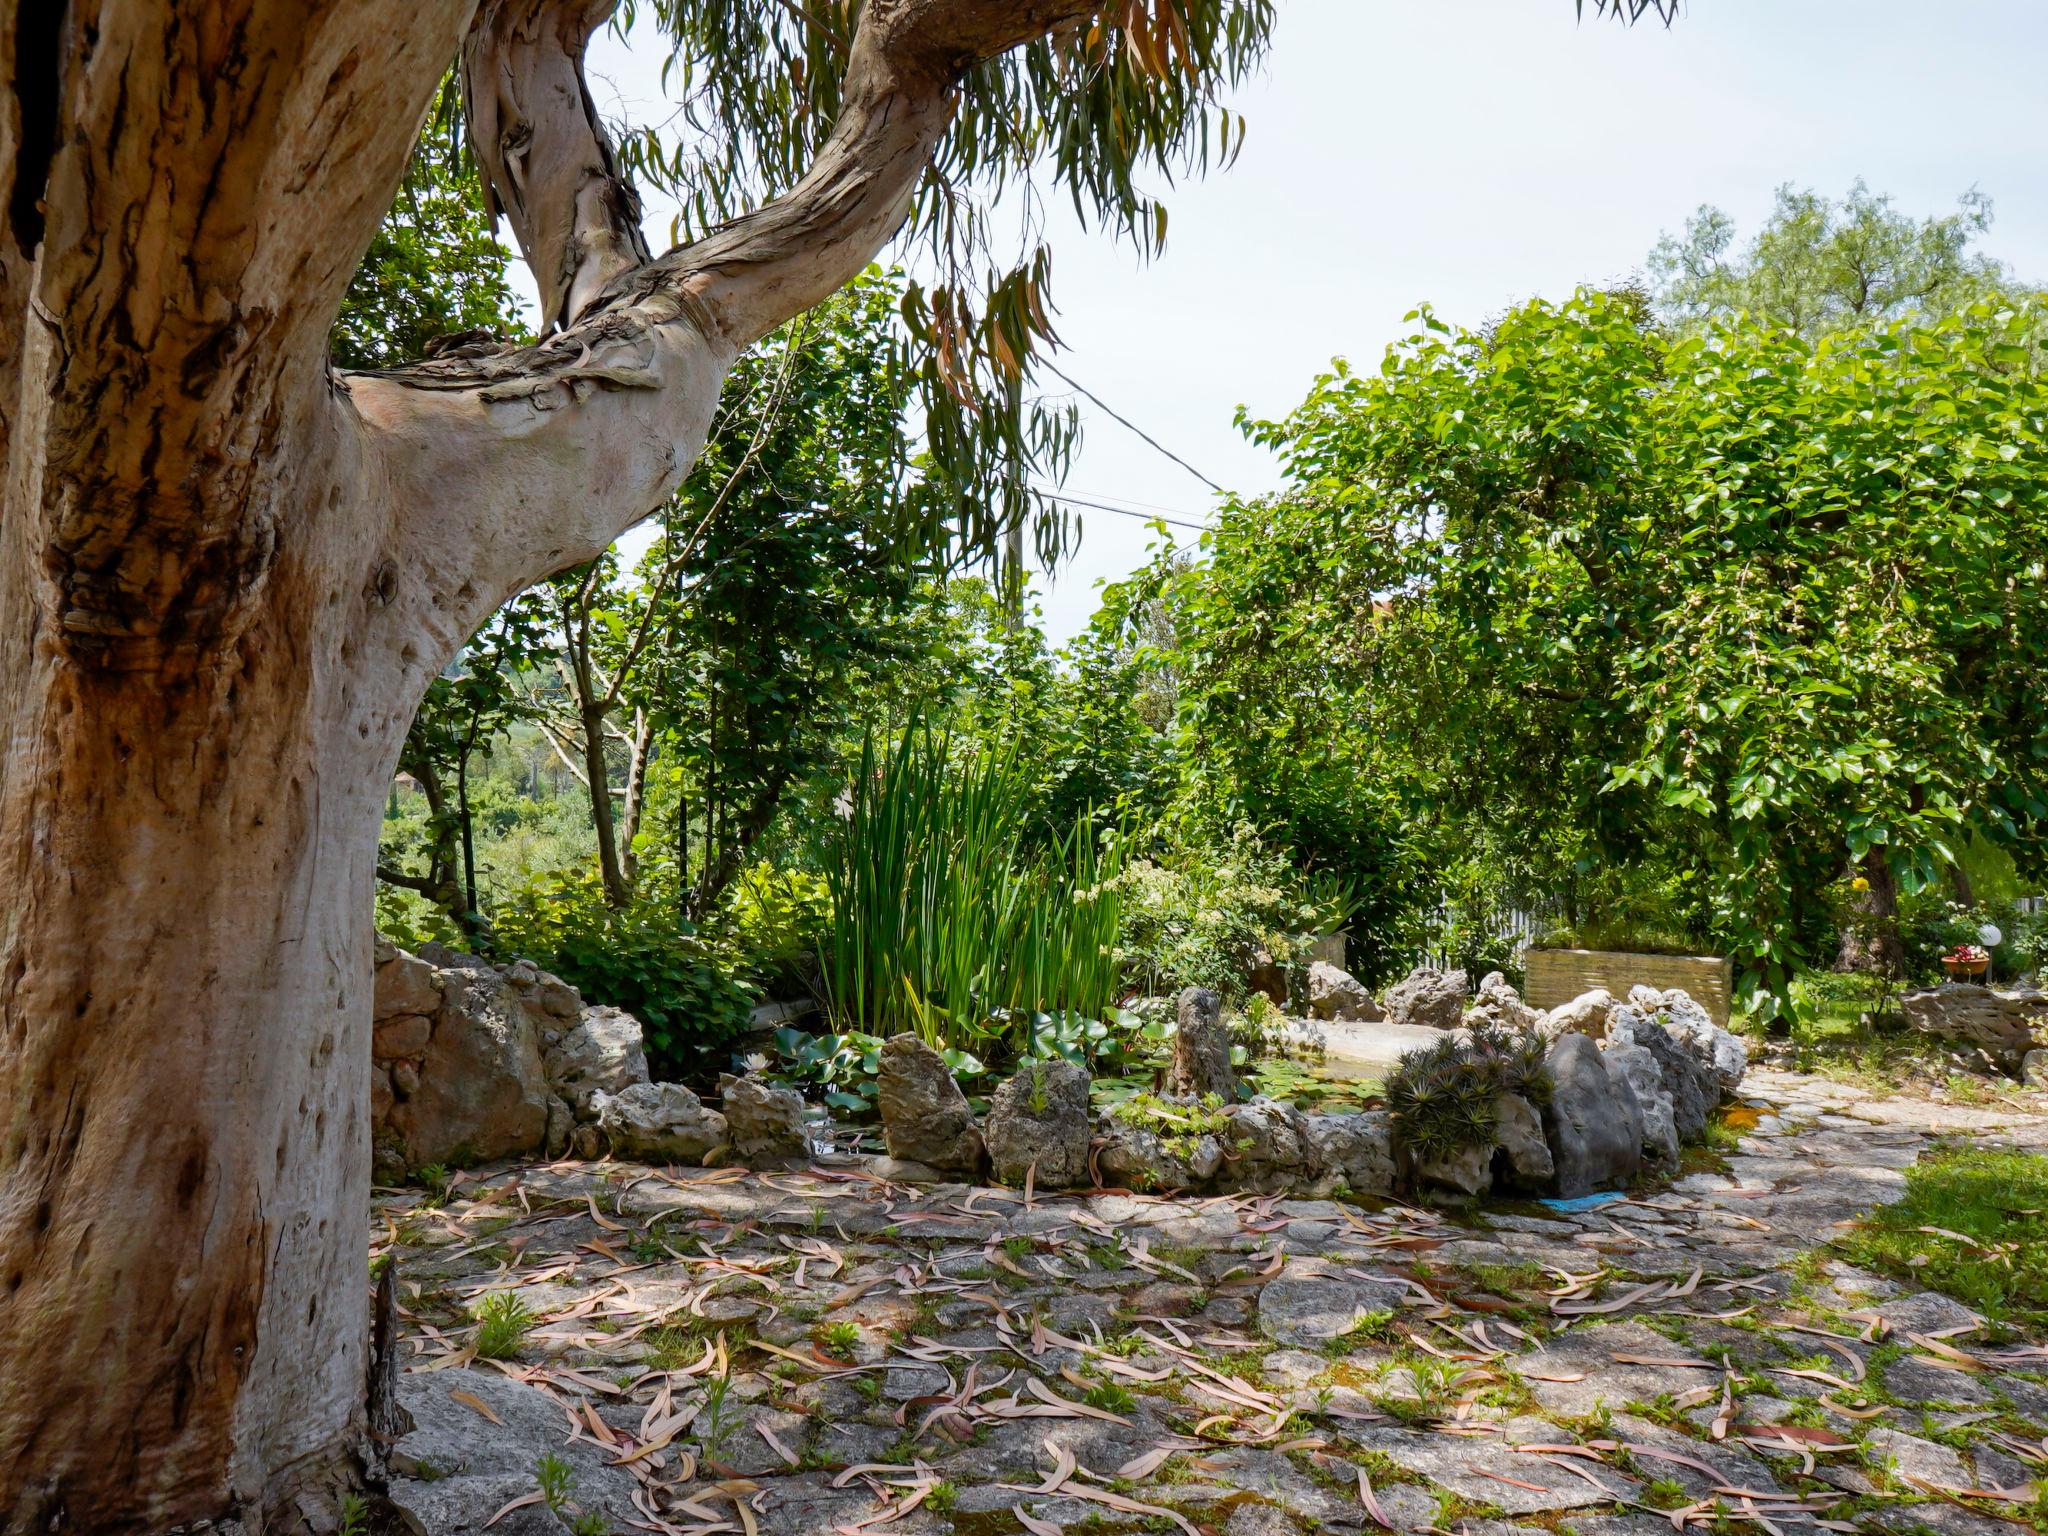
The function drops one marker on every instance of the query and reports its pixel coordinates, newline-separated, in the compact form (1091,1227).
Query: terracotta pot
(1959,969)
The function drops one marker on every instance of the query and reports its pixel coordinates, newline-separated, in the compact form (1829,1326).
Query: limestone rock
(1269,1148)
(1724,1054)
(1686,1073)
(1335,994)
(2000,1020)
(473,1061)
(1269,976)
(1040,1118)
(1518,1133)
(1502,1005)
(925,1116)
(603,1054)
(1638,1068)
(1139,1157)
(765,1121)
(1354,1151)
(2034,1069)
(1469,1170)
(404,984)
(1428,998)
(1305,1307)
(561,1126)
(1585,1014)
(659,1122)
(479,1090)
(1201,1049)
(400,1035)
(1593,1124)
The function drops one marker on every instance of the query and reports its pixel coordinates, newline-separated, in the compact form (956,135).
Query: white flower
(756,1062)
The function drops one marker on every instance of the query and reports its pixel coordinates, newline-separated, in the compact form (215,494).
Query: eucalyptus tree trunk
(227,576)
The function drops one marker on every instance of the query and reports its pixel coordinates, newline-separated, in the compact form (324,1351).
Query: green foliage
(433,269)
(1110,1397)
(1179,1127)
(1818,266)
(641,958)
(1736,604)
(1207,914)
(557,1479)
(1089,111)
(770,919)
(845,1067)
(1973,1224)
(1243,728)
(1442,1096)
(954,916)
(503,1320)
(786,578)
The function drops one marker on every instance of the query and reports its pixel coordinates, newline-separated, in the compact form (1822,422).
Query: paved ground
(820,1352)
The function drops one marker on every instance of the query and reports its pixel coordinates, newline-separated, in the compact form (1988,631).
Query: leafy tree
(786,565)
(1818,265)
(228,574)
(1745,603)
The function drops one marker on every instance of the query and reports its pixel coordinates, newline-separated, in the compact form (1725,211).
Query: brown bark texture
(226,576)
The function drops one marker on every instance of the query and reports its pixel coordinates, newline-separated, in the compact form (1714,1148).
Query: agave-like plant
(1442,1095)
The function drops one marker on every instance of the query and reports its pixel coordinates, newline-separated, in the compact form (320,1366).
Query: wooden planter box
(1556,976)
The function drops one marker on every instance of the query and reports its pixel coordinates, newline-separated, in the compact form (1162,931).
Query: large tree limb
(546,161)
(514,466)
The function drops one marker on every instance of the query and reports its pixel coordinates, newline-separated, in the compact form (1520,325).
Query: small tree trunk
(1959,882)
(635,796)
(472,920)
(1871,940)
(617,889)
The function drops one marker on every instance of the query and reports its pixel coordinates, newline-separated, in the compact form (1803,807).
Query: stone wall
(1555,976)
(471,1061)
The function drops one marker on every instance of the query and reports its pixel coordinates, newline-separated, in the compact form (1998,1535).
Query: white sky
(1472,153)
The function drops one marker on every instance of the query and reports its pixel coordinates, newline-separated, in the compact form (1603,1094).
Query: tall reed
(949,917)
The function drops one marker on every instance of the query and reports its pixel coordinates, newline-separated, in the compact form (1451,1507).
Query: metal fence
(1512,929)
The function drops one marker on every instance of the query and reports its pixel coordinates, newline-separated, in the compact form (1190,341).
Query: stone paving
(823,1351)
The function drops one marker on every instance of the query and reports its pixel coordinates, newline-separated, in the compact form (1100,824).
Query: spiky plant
(1441,1100)
(1442,1095)
(1516,1059)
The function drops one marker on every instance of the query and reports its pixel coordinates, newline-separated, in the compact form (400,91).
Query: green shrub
(642,958)
(1204,916)
(771,922)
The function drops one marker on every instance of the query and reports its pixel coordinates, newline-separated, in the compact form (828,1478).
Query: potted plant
(1965,961)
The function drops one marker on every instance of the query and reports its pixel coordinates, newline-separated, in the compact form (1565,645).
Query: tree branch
(545,159)
(515,466)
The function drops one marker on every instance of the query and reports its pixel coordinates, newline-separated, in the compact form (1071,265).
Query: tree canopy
(1818,265)
(1734,599)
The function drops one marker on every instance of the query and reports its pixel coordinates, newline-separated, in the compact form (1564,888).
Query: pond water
(1356,1051)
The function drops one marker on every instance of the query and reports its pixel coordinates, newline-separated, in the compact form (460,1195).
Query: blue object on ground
(1587,1202)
